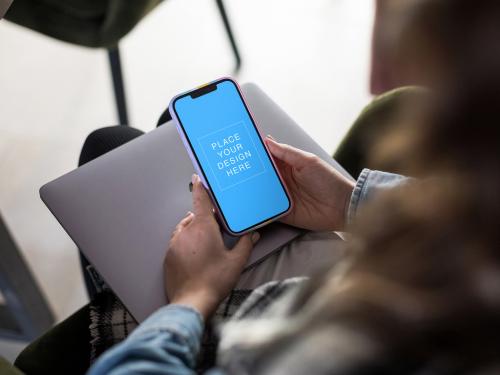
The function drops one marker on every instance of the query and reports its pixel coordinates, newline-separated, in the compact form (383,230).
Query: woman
(422,293)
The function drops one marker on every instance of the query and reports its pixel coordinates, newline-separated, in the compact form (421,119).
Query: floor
(312,57)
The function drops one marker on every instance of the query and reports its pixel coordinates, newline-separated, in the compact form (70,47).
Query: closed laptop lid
(121,208)
(4,6)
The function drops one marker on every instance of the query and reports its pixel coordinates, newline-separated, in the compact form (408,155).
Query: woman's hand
(199,270)
(319,192)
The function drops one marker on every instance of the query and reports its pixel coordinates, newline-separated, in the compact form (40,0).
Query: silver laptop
(121,208)
(4,6)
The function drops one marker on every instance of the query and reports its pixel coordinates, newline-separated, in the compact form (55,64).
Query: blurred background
(311,57)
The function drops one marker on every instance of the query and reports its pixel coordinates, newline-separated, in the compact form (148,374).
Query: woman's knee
(103,140)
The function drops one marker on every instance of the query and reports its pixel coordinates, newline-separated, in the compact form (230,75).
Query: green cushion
(7,369)
(376,119)
(65,349)
(91,23)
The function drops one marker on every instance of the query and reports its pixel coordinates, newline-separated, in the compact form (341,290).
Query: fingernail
(271,137)
(270,142)
(255,237)
(189,213)
(194,177)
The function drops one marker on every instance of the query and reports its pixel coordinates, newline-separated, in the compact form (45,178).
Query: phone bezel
(196,161)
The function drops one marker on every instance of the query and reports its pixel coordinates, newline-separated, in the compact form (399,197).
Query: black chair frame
(117,73)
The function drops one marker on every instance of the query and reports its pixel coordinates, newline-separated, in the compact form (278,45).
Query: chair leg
(118,86)
(227,26)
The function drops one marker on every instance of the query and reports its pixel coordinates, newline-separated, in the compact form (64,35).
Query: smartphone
(230,156)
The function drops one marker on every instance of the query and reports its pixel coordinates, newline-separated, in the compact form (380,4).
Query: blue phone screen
(232,156)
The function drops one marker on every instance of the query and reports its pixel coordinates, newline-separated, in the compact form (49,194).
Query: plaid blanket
(111,323)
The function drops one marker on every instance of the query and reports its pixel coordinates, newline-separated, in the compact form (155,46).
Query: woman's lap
(303,256)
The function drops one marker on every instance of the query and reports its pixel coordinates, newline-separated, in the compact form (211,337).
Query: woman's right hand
(320,194)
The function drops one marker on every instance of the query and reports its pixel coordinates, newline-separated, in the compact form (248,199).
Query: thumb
(202,204)
(245,245)
(288,154)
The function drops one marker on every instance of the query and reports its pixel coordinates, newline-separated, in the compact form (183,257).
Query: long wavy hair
(423,292)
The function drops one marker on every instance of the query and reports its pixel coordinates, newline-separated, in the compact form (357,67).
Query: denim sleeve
(165,343)
(368,184)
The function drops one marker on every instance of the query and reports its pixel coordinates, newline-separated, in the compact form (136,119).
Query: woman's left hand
(199,270)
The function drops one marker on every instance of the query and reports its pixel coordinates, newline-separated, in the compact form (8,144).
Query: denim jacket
(168,341)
